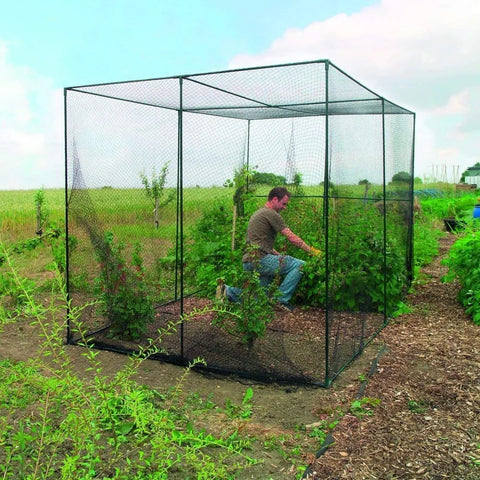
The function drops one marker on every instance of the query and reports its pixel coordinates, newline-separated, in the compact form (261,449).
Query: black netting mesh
(345,153)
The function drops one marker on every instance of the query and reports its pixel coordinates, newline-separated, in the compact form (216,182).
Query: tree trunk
(234,222)
(39,221)
(155,212)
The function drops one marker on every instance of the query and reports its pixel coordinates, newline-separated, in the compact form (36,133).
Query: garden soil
(417,386)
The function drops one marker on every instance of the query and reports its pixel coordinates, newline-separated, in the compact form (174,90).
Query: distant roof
(472,172)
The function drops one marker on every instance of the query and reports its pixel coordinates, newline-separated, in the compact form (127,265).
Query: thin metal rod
(385,303)
(67,251)
(411,231)
(180,210)
(326,193)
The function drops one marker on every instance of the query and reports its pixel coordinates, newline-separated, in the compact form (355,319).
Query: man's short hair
(278,192)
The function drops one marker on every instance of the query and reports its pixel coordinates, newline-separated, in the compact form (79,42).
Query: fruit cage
(161,176)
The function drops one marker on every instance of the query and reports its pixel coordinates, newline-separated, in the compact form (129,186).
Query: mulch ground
(428,383)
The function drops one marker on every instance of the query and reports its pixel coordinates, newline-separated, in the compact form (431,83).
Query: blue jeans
(290,268)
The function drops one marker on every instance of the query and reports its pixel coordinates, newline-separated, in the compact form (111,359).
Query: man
(262,230)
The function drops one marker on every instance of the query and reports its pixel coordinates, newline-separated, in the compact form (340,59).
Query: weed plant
(106,427)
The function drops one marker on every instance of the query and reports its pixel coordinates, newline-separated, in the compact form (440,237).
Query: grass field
(122,206)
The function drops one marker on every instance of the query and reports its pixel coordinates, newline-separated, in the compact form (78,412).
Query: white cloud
(386,39)
(421,54)
(457,104)
(31,122)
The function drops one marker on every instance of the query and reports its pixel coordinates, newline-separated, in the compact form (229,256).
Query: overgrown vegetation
(108,427)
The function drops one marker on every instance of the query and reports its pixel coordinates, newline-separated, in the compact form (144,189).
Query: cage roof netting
(280,91)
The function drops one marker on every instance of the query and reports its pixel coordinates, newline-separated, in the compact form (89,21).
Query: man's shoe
(221,291)
(285,306)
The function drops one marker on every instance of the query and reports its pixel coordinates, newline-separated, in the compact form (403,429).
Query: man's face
(279,204)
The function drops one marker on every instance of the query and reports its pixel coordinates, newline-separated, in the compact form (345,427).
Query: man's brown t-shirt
(262,230)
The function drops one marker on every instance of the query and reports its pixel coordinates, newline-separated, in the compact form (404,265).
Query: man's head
(278,198)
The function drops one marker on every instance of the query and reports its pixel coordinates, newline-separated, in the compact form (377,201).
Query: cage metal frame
(374,104)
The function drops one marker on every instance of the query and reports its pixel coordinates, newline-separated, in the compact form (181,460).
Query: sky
(420,54)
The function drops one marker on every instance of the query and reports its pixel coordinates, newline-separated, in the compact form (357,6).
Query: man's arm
(297,241)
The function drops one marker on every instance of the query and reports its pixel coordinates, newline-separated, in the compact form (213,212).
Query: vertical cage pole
(247,153)
(67,252)
(180,212)
(384,216)
(410,236)
(326,193)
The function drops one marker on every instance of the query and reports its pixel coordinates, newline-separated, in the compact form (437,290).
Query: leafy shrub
(12,296)
(210,257)
(356,257)
(356,253)
(123,293)
(449,207)
(425,239)
(209,254)
(463,264)
(249,317)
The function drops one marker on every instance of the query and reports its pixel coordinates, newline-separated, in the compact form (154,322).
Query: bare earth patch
(426,377)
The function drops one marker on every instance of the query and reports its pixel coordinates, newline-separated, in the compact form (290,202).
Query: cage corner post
(180,217)
(67,252)
(326,193)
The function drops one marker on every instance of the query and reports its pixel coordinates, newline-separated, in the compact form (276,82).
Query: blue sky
(421,54)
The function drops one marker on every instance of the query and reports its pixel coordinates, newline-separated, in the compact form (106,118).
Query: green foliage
(50,232)
(27,245)
(13,298)
(14,291)
(425,237)
(364,406)
(296,185)
(356,258)
(269,179)
(249,317)
(402,177)
(42,211)
(55,425)
(463,264)
(449,207)
(418,406)
(122,291)
(242,411)
(209,255)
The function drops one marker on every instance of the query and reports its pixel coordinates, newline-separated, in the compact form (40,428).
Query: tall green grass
(18,212)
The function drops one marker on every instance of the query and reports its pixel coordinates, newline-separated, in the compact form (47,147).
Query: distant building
(472,175)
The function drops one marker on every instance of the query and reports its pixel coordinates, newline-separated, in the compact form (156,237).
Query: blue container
(476,211)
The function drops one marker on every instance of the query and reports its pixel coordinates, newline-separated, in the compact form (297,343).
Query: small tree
(155,188)
(367,186)
(42,213)
(297,183)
